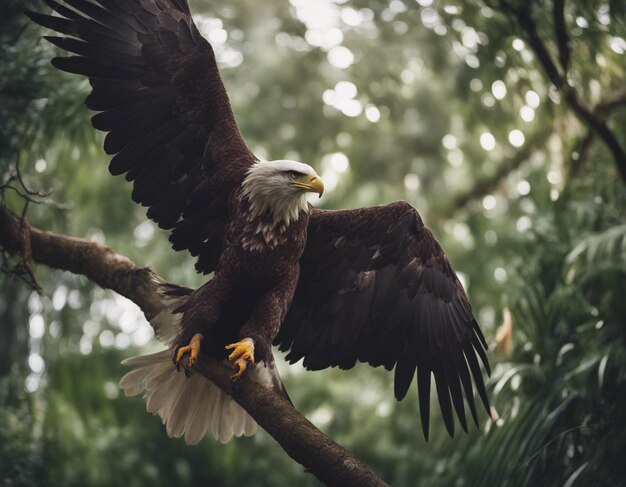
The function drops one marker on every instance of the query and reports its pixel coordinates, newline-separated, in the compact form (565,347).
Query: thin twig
(580,154)
(610,103)
(15,182)
(30,192)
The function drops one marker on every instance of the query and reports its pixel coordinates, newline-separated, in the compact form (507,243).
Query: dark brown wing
(156,85)
(376,287)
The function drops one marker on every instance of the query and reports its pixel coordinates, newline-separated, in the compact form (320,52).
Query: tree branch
(580,154)
(559,79)
(319,454)
(562,37)
(489,183)
(610,103)
(602,110)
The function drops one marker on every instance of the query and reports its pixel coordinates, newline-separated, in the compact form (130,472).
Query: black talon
(177,364)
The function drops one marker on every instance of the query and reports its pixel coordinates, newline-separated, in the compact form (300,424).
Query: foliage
(560,395)
(423,101)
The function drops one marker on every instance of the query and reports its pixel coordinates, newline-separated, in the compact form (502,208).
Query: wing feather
(423,389)
(157,88)
(376,287)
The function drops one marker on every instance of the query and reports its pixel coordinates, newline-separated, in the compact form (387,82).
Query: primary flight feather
(330,287)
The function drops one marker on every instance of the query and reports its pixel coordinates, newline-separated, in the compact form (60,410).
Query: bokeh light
(487,141)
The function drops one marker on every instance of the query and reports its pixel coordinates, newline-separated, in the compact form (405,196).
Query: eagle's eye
(294,174)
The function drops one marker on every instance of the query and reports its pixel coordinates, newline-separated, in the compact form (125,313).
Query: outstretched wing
(376,287)
(156,85)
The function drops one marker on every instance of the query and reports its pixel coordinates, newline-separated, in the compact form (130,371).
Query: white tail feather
(187,406)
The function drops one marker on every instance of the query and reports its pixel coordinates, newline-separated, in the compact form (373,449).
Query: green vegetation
(446,104)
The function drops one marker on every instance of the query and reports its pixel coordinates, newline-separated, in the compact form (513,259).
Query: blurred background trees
(500,121)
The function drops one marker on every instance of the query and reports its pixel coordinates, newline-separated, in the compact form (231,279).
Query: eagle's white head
(279,189)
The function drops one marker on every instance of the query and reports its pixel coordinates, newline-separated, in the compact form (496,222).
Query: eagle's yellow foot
(243,353)
(193,349)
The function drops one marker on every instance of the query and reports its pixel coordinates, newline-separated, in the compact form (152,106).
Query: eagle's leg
(193,349)
(243,353)
(261,329)
(200,313)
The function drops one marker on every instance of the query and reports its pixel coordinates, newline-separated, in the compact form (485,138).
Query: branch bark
(320,455)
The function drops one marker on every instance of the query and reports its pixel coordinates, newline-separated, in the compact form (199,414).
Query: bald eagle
(329,287)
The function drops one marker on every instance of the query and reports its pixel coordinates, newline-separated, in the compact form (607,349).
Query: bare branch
(580,154)
(599,126)
(562,37)
(611,103)
(14,181)
(489,183)
(523,17)
(319,454)
(602,110)
(328,461)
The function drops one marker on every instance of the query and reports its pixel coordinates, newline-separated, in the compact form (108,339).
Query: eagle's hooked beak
(309,183)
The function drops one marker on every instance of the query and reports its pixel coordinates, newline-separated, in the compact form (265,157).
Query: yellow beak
(309,183)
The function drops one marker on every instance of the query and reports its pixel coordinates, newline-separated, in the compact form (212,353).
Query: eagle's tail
(188,406)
